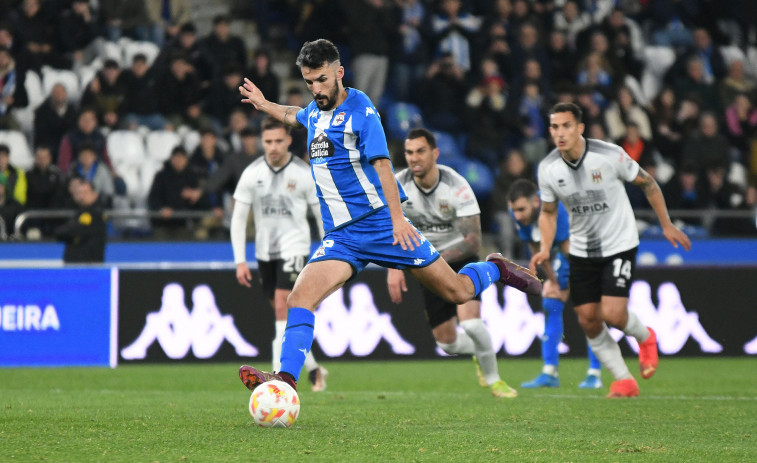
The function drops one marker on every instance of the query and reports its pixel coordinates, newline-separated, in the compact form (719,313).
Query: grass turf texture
(692,410)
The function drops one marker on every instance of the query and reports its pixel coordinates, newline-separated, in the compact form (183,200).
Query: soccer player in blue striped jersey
(525,205)
(360,206)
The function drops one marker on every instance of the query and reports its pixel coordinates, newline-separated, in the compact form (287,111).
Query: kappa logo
(418,261)
(313,113)
(339,118)
(369,110)
(596,175)
(176,329)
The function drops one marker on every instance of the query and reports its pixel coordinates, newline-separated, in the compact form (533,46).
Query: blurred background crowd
(140,98)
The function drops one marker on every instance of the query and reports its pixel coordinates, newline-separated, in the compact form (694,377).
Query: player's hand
(395,281)
(676,236)
(251,94)
(244,277)
(538,259)
(405,234)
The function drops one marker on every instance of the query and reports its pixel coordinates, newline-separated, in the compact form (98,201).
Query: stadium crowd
(157,103)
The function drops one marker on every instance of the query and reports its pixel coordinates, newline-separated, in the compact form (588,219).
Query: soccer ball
(274,404)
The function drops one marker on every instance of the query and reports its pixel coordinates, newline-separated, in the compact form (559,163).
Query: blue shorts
(561,267)
(370,240)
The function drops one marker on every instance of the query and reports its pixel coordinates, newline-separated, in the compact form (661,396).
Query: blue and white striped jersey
(342,143)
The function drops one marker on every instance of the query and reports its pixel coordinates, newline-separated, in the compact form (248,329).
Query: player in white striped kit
(279,189)
(442,206)
(588,176)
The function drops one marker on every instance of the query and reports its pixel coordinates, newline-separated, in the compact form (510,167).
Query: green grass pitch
(693,409)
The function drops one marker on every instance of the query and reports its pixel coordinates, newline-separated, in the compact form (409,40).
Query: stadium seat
(657,61)
(127,152)
(69,79)
(88,72)
(21,155)
(400,118)
(159,145)
(34,90)
(449,149)
(131,48)
(190,140)
(733,53)
(110,50)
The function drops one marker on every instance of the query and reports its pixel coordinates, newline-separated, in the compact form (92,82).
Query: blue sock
(594,362)
(482,274)
(553,329)
(298,338)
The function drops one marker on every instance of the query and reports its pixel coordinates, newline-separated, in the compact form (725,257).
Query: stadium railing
(705,216)
(109,215)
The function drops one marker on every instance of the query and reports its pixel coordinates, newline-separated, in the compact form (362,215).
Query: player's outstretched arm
(253,95)
(654,195)
(404,233)
(548,229)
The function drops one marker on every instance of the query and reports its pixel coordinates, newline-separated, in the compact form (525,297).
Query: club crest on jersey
(596,175)
(321,148)
(338,119)
(443,206)
(291,185)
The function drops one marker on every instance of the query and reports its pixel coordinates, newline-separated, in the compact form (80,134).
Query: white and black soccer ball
(274,404)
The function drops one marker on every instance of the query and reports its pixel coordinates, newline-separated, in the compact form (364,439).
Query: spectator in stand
(528,47)
(224,48)
(85,233)
(707,147)
(532,116)
(713,63)
(598,43)
(85,132)
(224,180)
(694,85)
(684,192)
(18,50)
(92,170)
(15,177)
(232,136)
(45,182)
(53,119)
(45,187)
(165,18)
(723,195)
(570,20)
(410,56)
(206,159)
(624,110)
(637,146)
(736,83)
(106,94)
(36,31)
(442,95)
(224,95)
(10,208)
(369,42)
(486,116)
(299,135)
(596,74)
(167,195)
(187,45)
(523,14)
(561,59)
(453,29)
(178,91)
(586,97)
(666,132)
(124,18)
(77,30)
(597,130)
(625,40)
(140,105)
(741,124)
(12,91)
(671,21)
